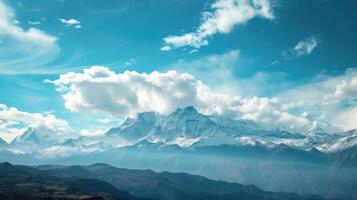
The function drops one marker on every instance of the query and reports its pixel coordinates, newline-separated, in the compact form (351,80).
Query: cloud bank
(14,122)
(98,89)
(332,96)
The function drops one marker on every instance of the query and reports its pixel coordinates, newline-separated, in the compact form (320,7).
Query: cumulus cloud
(98,89)
(14,122)
(127,93)
(302,48)
(71,22)
(332,96)
(344,91)
(20,47)
(348,118)
(325,90)
(225,15)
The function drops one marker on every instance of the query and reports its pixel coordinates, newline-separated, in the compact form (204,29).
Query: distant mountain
(337,142)
(185,128)
(136,129)
(213,146)
(169,186)
(21,182)
(41,137)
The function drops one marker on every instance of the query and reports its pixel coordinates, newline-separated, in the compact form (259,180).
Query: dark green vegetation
(102,181)
(26,183)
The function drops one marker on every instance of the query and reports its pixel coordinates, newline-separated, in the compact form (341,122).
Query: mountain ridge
(166,185)
(187,128)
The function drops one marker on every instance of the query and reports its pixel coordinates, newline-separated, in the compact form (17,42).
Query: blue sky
(251,49)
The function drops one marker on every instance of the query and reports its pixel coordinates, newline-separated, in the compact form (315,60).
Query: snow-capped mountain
(36,139)
(337,142)
(136,129)
(184,128)
(32,136)
(36,136)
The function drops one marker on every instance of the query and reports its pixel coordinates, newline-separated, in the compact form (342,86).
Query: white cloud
(302,48)
(347,118)
(14,122)
(8,27)
(105,120)
(94,133)
(126,93)
(71,22)
(109,119)
(99,89)
(22,50)
(345,90)
(34,22)
(165,48)
(325,90)
(225,15)
(332,96)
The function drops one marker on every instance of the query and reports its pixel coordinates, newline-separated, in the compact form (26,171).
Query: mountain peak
(100,165)
(42,136)
(7,168)
(147,116)
(189,110)
(6,164)
(28,135)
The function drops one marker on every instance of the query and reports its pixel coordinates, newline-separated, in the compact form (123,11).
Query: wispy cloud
(130,62)
(34,22)
(225,15)
(9,28)
(109,12)
(71,23)
(226,68)
(23,50)
(302,48)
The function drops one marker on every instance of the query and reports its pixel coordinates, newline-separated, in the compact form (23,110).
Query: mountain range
(104,182)
(220,148)
(186,128)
